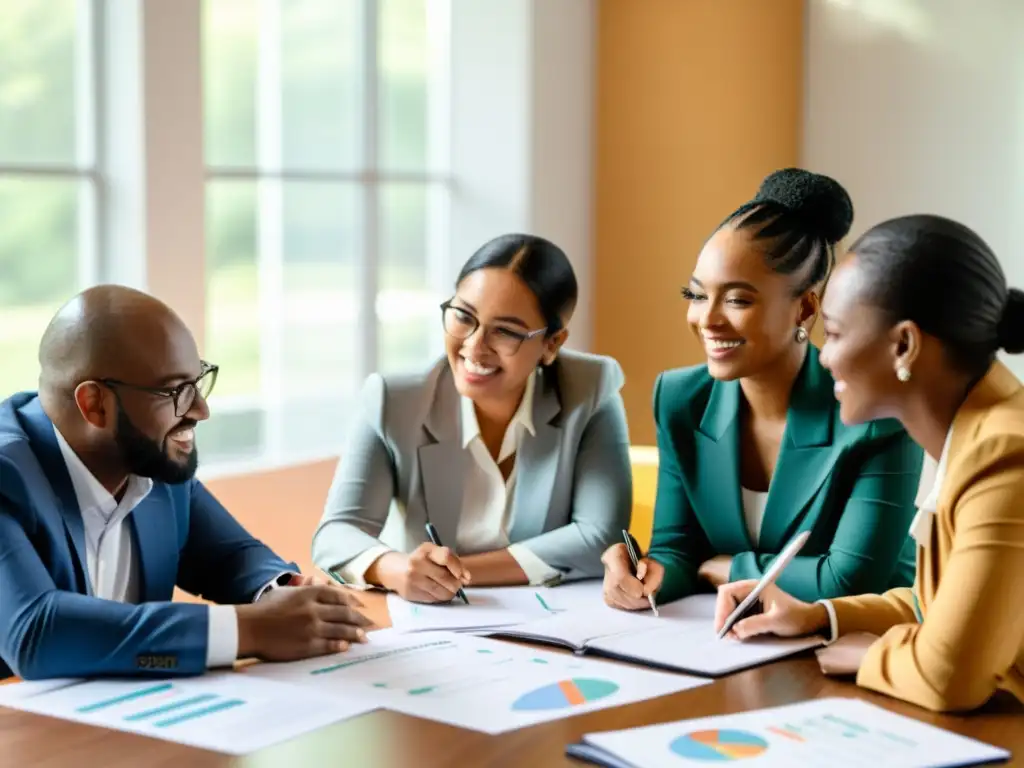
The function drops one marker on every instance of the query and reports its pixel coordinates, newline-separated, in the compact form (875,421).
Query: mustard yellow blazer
(955,638)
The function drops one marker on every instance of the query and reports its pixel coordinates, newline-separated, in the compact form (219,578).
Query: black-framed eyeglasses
(183,395)
(460,324)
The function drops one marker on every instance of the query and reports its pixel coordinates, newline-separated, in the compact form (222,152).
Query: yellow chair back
(644,461)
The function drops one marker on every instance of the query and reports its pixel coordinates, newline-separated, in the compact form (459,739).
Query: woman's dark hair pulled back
(798,216)
(540,264)
(941,275)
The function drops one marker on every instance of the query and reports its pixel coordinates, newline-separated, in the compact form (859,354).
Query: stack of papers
(429,665)
(830,733)
(474,682)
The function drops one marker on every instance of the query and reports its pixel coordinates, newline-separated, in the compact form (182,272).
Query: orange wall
(280,507)
(697,100)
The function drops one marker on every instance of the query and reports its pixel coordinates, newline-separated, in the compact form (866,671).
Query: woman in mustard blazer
(913,321)
(751,448)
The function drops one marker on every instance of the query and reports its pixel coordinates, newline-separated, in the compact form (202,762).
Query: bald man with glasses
(101,515)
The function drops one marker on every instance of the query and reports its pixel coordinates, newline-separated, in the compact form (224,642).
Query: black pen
(634,556)
(436,540)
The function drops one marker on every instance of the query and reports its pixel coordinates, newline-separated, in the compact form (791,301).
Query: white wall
(522,113)
(918,106)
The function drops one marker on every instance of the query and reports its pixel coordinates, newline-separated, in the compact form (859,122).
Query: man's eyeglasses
(183,395)
(461,324)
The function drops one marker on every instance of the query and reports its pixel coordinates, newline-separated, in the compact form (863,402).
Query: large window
(49,182)
(279,172)
(326,162)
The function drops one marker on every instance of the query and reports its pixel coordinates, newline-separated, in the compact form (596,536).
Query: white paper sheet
(475,683)
(487,609)
(24,688)
(223,712)
(830,733)
(575,595)
(575,628)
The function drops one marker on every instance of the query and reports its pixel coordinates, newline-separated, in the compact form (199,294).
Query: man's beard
(145,457)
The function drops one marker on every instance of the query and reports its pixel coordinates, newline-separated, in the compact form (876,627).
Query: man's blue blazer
(51,625)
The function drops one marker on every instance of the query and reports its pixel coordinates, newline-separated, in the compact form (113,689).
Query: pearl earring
(801,334)
(903,373)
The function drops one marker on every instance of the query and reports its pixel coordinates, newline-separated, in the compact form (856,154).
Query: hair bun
(1011,326)
(819,200)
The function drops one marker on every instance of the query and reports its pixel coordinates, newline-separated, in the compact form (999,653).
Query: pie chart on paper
(719,745)
(565,694)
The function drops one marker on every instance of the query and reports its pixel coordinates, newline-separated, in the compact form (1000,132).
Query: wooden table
(390,739)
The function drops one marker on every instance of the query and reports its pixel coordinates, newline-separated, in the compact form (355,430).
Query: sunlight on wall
(908,18)
(957,31)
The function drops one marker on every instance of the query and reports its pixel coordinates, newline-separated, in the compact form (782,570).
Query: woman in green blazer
(751,447)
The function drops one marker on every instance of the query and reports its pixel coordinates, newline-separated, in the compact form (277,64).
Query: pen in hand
(752,604)
(634,557)
(436,541)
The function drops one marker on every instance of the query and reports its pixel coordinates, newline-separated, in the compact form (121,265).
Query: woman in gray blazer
(516,451)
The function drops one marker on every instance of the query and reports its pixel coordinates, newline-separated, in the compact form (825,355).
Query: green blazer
(852,487)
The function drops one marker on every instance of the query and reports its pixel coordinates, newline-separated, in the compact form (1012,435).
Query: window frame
(89,128)
(372,180)
(150,157)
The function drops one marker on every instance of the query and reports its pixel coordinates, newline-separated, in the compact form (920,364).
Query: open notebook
(682,639)
(832,733)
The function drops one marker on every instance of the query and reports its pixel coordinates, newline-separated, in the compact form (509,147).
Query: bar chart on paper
(164,705)
(215,712)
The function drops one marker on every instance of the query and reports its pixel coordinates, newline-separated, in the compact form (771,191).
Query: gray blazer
(404,461)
